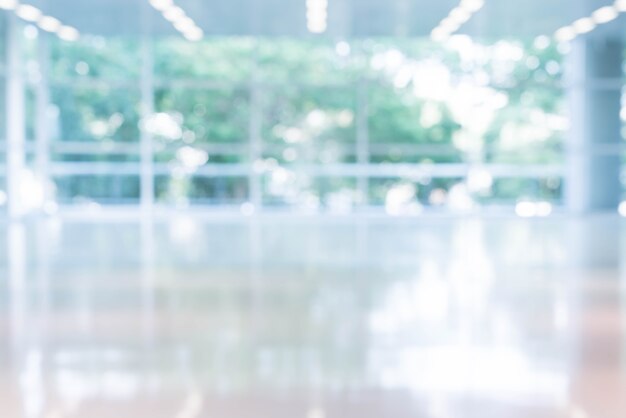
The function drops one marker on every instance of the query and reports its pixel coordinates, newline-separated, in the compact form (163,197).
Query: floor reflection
(313,318)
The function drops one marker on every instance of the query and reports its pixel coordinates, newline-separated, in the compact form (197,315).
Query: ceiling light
(317,4)
(565,34)
(584,25)
(174,13)
(472,5)
(179,19)
(439,34)
(8,4)
(620,5)
(317,28)
(587,24)
(194,34)
(161,5)
(68,33)
(455,19)
(317,15)
(28,12)
(460,15)
(49,24)
(449,25)
(605,14)
(184,24)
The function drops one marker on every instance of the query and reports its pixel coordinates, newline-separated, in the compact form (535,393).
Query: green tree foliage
(462,102)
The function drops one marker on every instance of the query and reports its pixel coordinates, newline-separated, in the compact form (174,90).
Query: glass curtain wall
(398,125)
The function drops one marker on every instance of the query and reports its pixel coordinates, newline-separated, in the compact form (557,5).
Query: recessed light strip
(34,15)
(455,19)
(179,19)
(317,15)
(585,25)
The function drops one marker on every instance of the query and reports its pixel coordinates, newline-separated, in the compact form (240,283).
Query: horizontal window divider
(243,147)
(202,83)
(96,148)
(406,171)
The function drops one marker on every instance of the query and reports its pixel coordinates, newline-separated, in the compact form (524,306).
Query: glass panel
(510,190)
(101,189)
(204,116)
(218,61)
(202,190)
(286,188)
(291,62)
(100,114)
(412,195)
(94,58)
(443,122)
(310,124)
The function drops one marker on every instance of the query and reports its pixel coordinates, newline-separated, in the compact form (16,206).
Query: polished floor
(285,317)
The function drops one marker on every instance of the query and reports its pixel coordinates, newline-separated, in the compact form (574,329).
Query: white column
(146,139)
(255,183)
(42,127)
(594,73)
(362,142)
(15,113)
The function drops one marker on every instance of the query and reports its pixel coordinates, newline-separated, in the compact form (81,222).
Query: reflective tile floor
(313,318)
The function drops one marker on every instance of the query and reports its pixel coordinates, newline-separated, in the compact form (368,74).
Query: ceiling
(347,18)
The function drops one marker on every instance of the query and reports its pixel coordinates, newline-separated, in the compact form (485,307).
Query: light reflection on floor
(313,318)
